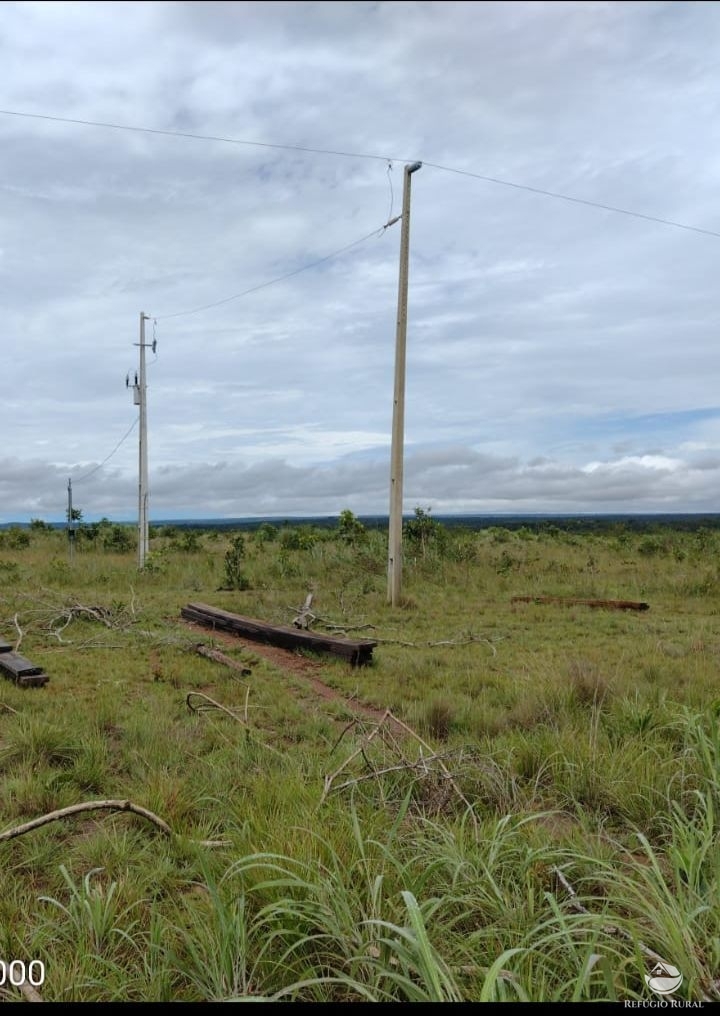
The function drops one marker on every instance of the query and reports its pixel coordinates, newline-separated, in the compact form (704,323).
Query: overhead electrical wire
(574,200)
(498,181)
(107,458)
(280,278)
(193,136)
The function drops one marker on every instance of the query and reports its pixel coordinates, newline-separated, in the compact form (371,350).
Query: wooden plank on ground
(22,671)
(17,666)
(5,647)
(357,651)
(571,601)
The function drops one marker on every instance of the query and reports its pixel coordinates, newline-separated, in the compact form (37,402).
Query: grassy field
(544,826)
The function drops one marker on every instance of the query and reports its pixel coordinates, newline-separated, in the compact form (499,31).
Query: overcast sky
(560,357)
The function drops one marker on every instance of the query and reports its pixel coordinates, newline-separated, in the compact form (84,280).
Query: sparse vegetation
(587,743)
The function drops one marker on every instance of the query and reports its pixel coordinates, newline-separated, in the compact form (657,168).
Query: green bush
(235,577)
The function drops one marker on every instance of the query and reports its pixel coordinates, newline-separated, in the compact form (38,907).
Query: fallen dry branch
(28,992)
(110,805)
(20,633)
(461,640)
(214,654)
(305,617)
(210,703)
(427,763)
(611,929)
(5,708)
(573,601)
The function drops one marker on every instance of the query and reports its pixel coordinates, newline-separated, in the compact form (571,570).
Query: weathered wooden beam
(5,647)
(572,601)
(20,670)
(357,651)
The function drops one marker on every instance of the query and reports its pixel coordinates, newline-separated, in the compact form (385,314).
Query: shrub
(235,577)
(424,532)
(350,528)
(117,538)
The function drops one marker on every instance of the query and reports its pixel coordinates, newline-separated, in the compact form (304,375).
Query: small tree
(350,528)
(235,577)
(424,532)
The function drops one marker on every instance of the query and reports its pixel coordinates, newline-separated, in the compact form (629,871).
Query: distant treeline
(685,522)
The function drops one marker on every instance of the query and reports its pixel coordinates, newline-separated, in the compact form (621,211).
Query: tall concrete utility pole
(398,424)
(140,396)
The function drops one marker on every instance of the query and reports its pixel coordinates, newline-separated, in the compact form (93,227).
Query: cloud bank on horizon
(560,357)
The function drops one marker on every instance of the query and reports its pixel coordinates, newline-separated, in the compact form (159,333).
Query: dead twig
(610,929)
(109,805)
(210,703)
(443,768)
(8,709)
(20,633)
(426,764)
(329,780)
(463,640)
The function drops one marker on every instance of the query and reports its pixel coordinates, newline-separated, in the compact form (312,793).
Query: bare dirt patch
(292,663)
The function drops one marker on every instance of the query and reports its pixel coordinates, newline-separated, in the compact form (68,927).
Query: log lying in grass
(20,670)
(572,601)
(218,657)
(357,651)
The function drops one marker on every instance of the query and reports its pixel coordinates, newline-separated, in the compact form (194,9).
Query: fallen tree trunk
(572,601)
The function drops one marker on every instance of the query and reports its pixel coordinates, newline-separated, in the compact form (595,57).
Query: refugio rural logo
(663,979)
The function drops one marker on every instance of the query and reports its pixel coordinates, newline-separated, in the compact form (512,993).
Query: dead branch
(20,633)
(610,929)
(109,805)
(210,703)
(442,765)
(214,654)
(8,709)
(424,764)
(421,766)
(574,601)
(462,640)
(329,626)
(29,993)
(305,617)
(329,780)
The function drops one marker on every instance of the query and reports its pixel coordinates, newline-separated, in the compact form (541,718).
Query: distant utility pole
(70,522)
(140,399)
(398,424)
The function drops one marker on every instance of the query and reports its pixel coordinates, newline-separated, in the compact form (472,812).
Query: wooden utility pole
(398,424)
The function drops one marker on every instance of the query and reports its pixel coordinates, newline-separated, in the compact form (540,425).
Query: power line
(280,278)
(194,137)
(558,195)
(574,200)
(122,440)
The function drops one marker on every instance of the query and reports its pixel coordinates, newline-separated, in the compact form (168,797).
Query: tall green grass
(586,743)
